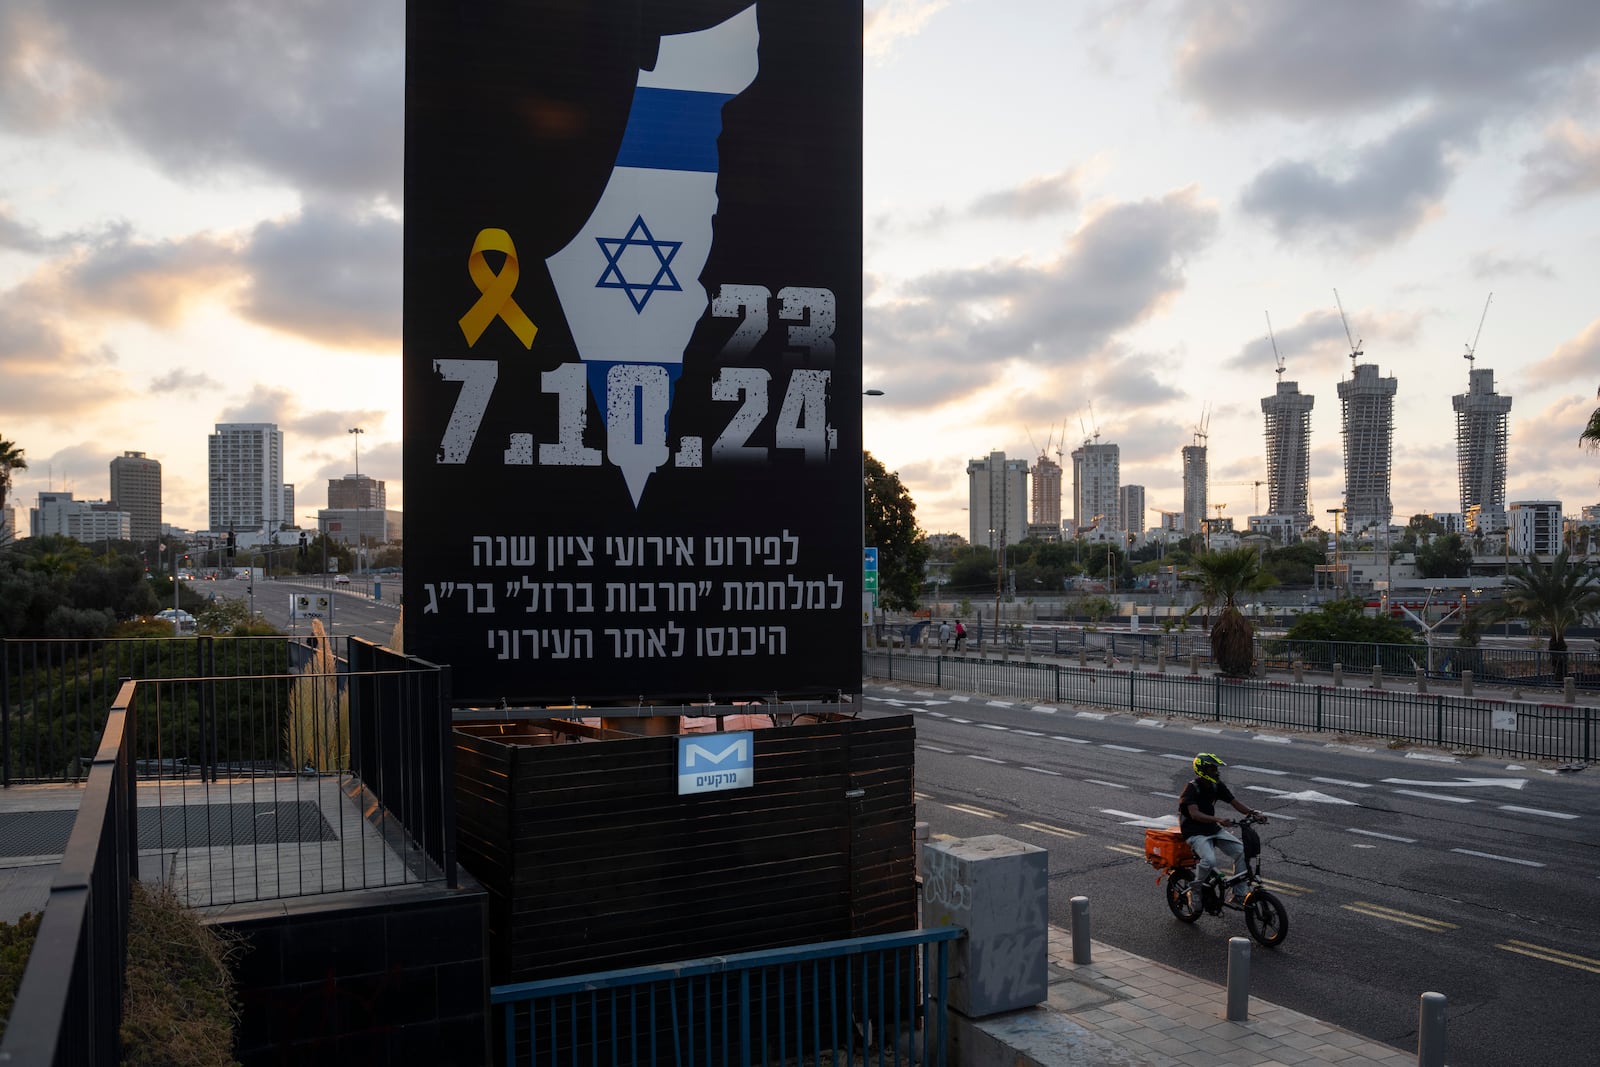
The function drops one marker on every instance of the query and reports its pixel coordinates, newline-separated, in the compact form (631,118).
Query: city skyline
(1075,218)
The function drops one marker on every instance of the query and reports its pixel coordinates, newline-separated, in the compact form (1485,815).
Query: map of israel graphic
(629,281)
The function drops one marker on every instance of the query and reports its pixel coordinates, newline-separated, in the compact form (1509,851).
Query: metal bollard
(1194,666)
(1083,657)
(1238,979)
(1422,679)
(1338,674)
(1466,683)
(1570,694)
(1430,1030)
(1161,661)
(1299,672)
(1377,676)
(1080,930)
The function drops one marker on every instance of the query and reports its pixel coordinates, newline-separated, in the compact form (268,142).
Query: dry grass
(179,1007)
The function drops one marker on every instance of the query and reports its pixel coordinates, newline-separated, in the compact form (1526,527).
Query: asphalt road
(353,611)
(1403,871)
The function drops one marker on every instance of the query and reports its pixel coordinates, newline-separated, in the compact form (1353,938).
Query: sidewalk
(1121,1010)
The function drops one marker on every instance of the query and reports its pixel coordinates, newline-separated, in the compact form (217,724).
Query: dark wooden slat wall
(593,861)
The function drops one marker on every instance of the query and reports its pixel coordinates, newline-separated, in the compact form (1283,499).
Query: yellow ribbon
(495,290)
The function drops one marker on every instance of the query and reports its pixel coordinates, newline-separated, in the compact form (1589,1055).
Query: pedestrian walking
(944,635)
(961,634)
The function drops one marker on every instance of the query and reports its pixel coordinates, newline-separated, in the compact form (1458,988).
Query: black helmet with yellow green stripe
(1208,767)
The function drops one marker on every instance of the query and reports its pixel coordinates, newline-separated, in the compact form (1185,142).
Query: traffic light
(232,544)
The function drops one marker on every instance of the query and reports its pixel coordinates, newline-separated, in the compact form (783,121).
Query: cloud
(1567,164)
(1491,265)
(1310,58)
(303,93)
(946,333)
(1388,189)
(18,236)
(1318,336)
(892,21)
(1574,360)
(47,371)
(180,380)
(327,277)
(152,282)
(1034,198)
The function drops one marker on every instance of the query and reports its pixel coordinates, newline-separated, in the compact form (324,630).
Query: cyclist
(1202,827)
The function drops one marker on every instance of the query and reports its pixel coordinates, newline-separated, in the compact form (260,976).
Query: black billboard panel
(632,348)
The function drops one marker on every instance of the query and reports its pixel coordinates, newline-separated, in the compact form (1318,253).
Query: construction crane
(1472,349)
(1276,357)
(1355,346)
(1257,484)
(1201,427)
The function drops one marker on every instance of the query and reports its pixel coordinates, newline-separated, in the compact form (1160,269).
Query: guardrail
(68,1006)
(1522,729)
(1527,667)
(864,999)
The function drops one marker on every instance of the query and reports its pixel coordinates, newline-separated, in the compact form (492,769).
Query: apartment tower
(136,489)
(1096,480)
(1194,487)
(245,468)
(1367,409)
(1288,436)
(997,494)
(1481,418)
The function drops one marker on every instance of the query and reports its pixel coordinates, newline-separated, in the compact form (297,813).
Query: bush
(179,1006)
(16,942)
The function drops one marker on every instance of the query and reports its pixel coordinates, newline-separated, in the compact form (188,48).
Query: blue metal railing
(881,998)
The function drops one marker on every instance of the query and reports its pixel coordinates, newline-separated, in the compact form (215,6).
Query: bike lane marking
(1404,918)
(1436,796)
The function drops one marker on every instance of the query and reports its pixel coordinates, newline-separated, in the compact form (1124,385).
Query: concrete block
(998,890)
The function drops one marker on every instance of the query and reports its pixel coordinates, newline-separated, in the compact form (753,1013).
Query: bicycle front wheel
(1266,918)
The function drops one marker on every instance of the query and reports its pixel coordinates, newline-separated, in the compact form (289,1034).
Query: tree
(1444,557)
(1346,620)
(1222,576)
(1590,435)
(1553,598)
(891,527)
(11,459)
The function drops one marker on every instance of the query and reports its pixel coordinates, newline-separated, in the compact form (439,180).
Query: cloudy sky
(1078,217)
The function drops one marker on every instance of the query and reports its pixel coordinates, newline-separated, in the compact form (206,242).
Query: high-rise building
(246,476)
(1481,419)
(1534,527)
(1047,493)
(82,520)
(356,491)
(136,489)
(997,493)
(1096,481)
(1288,436)
(1194,488)
(1130,505)
(1367,408)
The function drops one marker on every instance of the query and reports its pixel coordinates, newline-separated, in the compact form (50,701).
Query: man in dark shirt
(1199,823)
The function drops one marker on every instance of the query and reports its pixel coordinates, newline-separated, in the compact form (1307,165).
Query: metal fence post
(1319,707)
(1430,1030)
(1216,698)
(1438,719)
(1057,669)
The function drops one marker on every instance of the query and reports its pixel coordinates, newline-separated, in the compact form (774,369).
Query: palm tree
(1553,598)
(11,458)
(1591,433)
(1222,576)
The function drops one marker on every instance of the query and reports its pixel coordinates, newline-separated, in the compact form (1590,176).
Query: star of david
(638,292)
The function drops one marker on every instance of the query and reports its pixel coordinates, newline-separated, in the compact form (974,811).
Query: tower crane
(1257,484)
(1472,349)
(1276,357)
(1355,346)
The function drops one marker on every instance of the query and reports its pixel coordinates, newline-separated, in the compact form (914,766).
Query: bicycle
(1264,914)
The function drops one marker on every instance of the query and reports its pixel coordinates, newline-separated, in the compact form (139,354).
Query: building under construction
(1194,487)
(1481,419)
(1288,435)
(1096,480)
(1046,502)
(1367,407)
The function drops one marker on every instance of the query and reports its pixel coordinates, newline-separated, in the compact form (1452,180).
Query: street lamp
(356,433)
(1336,512)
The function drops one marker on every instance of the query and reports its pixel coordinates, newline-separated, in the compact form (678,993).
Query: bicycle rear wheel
(1184,905)
(1266,918)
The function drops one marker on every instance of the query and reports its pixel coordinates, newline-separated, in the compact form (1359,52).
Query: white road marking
(1536,811)
(1386,837)
(992,726)
(1108,785)
(1028,733)
(1073,740)
(1122,748)
(1206,729)
(936,748)
(1492,856)
(1089,715)
(1310,796)
(985,759)
(1130,819)
(1271,739)
(1042,710)
(1432,756)
(1257,770)
(1177,756)
(1046,828)
(1157,723)
(981,813)
(963,722)
(960,698)
(1463,783)
(1041,770)
(1001,704)
(1343,782)
(1435,796)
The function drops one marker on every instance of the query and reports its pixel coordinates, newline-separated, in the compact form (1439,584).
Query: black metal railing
(1522,729)
(68,1007)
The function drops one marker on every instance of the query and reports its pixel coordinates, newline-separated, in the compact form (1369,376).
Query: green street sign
(870,582)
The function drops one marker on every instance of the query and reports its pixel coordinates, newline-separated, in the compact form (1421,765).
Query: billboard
(632,348)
